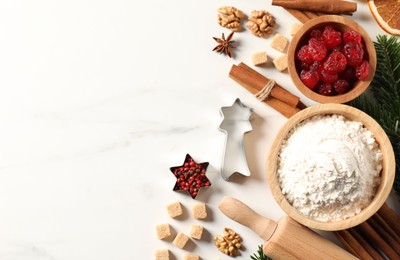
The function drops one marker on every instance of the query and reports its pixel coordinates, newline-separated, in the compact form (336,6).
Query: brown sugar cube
(281,63)
(191,257)
(279,42)
(174,209)
(180,240)
(295,28)
(196,231)
(162,254)
(259,58)
(199,211)
(163,231)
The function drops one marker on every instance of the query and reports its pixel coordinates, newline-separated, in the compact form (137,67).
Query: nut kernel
(226,244)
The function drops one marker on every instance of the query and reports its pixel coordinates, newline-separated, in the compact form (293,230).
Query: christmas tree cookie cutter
(235,124)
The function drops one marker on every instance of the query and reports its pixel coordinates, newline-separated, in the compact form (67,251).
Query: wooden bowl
(387,174)
(341,24)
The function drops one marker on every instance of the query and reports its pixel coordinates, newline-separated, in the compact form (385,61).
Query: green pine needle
(259,255)
(383,101)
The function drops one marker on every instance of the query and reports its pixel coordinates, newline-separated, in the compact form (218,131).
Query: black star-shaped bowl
(191,176)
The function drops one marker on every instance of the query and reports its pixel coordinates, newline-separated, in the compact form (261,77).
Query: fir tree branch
(259,255)
(384,103)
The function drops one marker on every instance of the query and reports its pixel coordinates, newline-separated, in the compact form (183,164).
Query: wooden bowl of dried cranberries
(331,59)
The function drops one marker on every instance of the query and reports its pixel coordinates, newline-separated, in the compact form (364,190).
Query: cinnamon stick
(385,225)
(371,251)
(246,79)
(282,107)
(259,82)
(390,217)
(375,238)
(301,105)
(310,14)
(351,248)
(326,6)
(395,244)
(299,15)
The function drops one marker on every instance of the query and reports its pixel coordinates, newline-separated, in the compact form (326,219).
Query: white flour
(329,167)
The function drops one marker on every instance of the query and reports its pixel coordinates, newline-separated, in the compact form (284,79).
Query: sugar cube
(279,42)
(174,209)
(281,63)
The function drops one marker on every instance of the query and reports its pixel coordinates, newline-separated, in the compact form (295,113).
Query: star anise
(224,45)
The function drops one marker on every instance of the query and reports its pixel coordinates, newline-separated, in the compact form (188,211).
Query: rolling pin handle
(241,213)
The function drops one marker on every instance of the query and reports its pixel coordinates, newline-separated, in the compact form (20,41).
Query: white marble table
(98,99)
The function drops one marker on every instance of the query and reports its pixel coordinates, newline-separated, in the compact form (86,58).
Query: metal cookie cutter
(235,123)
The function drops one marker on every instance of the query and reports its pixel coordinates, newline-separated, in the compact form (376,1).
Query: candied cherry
(324,89)
(303,65)
(362,70)
(327,77)
(330,37)
(365,57)
(310,78)
(304,54)
(339,47)
(317,49)
(348,74)
(353,52)
(352,35)
(316,33)
(317,66)
(335,63)
(341,86)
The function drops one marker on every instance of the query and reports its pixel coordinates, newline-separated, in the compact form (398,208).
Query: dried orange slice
(386,13)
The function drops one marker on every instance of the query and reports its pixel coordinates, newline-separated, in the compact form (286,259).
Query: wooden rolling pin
(285,239)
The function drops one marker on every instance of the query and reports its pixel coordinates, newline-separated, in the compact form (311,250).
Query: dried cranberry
(365,57)
(316,33)
(303,65)
(304,54)
(362,71)
(330,37)
(317,49)
(351,35)
(354,53)
(348,74)
(317,66)
(324,89)
(335,63)
(310,78)
(339,47)
(327,77)
(341,86)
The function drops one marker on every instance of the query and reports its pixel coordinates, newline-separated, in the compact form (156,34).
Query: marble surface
(98,99)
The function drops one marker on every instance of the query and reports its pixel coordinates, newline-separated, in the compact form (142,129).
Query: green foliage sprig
(382,102)
(259,255)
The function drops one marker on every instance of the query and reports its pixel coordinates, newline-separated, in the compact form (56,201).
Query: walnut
(261,23)
(230,17)
(229,243)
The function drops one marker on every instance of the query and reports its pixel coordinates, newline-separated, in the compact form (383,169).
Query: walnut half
(230,17)
(229,243)
(261,23)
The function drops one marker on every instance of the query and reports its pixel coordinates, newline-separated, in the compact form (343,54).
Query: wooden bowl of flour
(387,173)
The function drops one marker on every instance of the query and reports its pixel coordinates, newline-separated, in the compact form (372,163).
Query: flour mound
(329,167)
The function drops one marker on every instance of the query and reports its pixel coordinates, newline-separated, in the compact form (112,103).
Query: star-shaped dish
(191,176)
